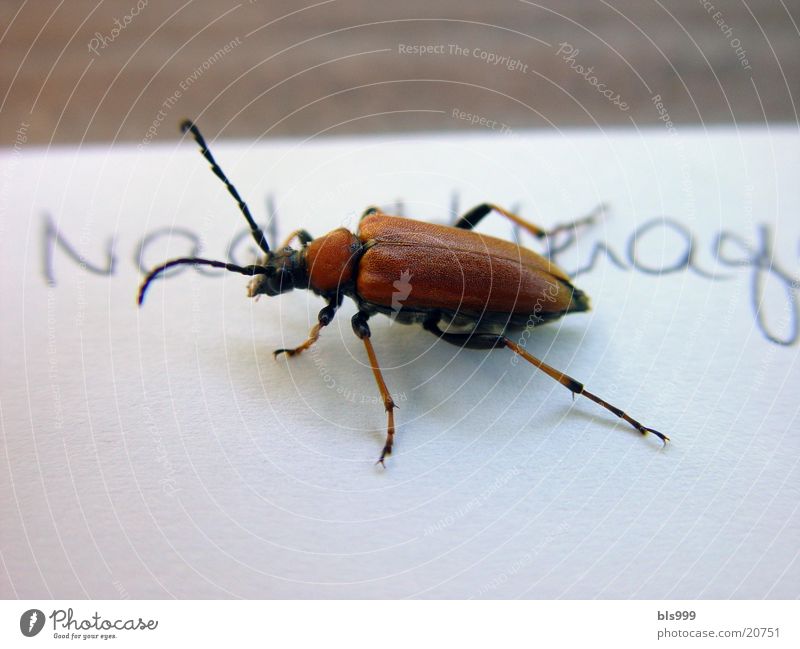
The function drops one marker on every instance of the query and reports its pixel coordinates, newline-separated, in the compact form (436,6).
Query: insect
(468,289)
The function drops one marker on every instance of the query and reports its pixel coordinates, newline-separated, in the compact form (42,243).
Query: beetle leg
(302,236)
(323,320)
(577,388)
(361,329)
(369,211)
(491,341)
(474,216)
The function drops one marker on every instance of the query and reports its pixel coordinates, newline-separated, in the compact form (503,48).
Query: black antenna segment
(197,261)
(258,234)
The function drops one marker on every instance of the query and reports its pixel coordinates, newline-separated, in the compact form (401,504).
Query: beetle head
(284,270)
(279,271)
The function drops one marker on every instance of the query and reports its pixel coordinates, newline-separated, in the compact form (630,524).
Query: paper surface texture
(162,452)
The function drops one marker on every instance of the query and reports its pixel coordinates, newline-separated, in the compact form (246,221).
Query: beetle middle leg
(361,329)
(476,214)
(323,320)
(492,341)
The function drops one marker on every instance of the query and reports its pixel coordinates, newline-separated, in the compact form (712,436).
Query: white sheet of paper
(162,452)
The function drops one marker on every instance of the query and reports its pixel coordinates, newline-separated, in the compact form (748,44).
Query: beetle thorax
(331,261)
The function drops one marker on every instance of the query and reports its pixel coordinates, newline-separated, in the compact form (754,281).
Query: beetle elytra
(475,286)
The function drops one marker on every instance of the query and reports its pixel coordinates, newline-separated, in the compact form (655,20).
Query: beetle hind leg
(576,387)
(491,341)
(476,214)
(361,329)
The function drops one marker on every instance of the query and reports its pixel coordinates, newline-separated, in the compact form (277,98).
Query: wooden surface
(336,67)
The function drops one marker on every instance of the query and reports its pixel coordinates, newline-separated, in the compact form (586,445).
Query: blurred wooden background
(70,74)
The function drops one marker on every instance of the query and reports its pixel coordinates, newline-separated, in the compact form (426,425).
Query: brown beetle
(473,285)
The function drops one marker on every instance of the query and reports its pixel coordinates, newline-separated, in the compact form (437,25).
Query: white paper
(162,452)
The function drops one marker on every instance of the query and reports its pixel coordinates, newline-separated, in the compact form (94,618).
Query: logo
(31,622)
(402,289)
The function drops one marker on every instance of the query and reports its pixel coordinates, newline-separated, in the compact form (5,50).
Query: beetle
(469,288)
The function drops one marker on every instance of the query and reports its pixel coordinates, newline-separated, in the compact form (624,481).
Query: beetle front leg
(361,329)
(301,235)
(476,214)
(323,320)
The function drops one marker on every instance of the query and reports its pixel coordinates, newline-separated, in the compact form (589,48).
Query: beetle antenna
(258,234)
(196,261)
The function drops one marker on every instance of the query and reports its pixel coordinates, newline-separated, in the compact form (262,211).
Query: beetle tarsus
(323,320)
(288,352)
(589,219)
(664,438)
(387,448)
(313,337)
